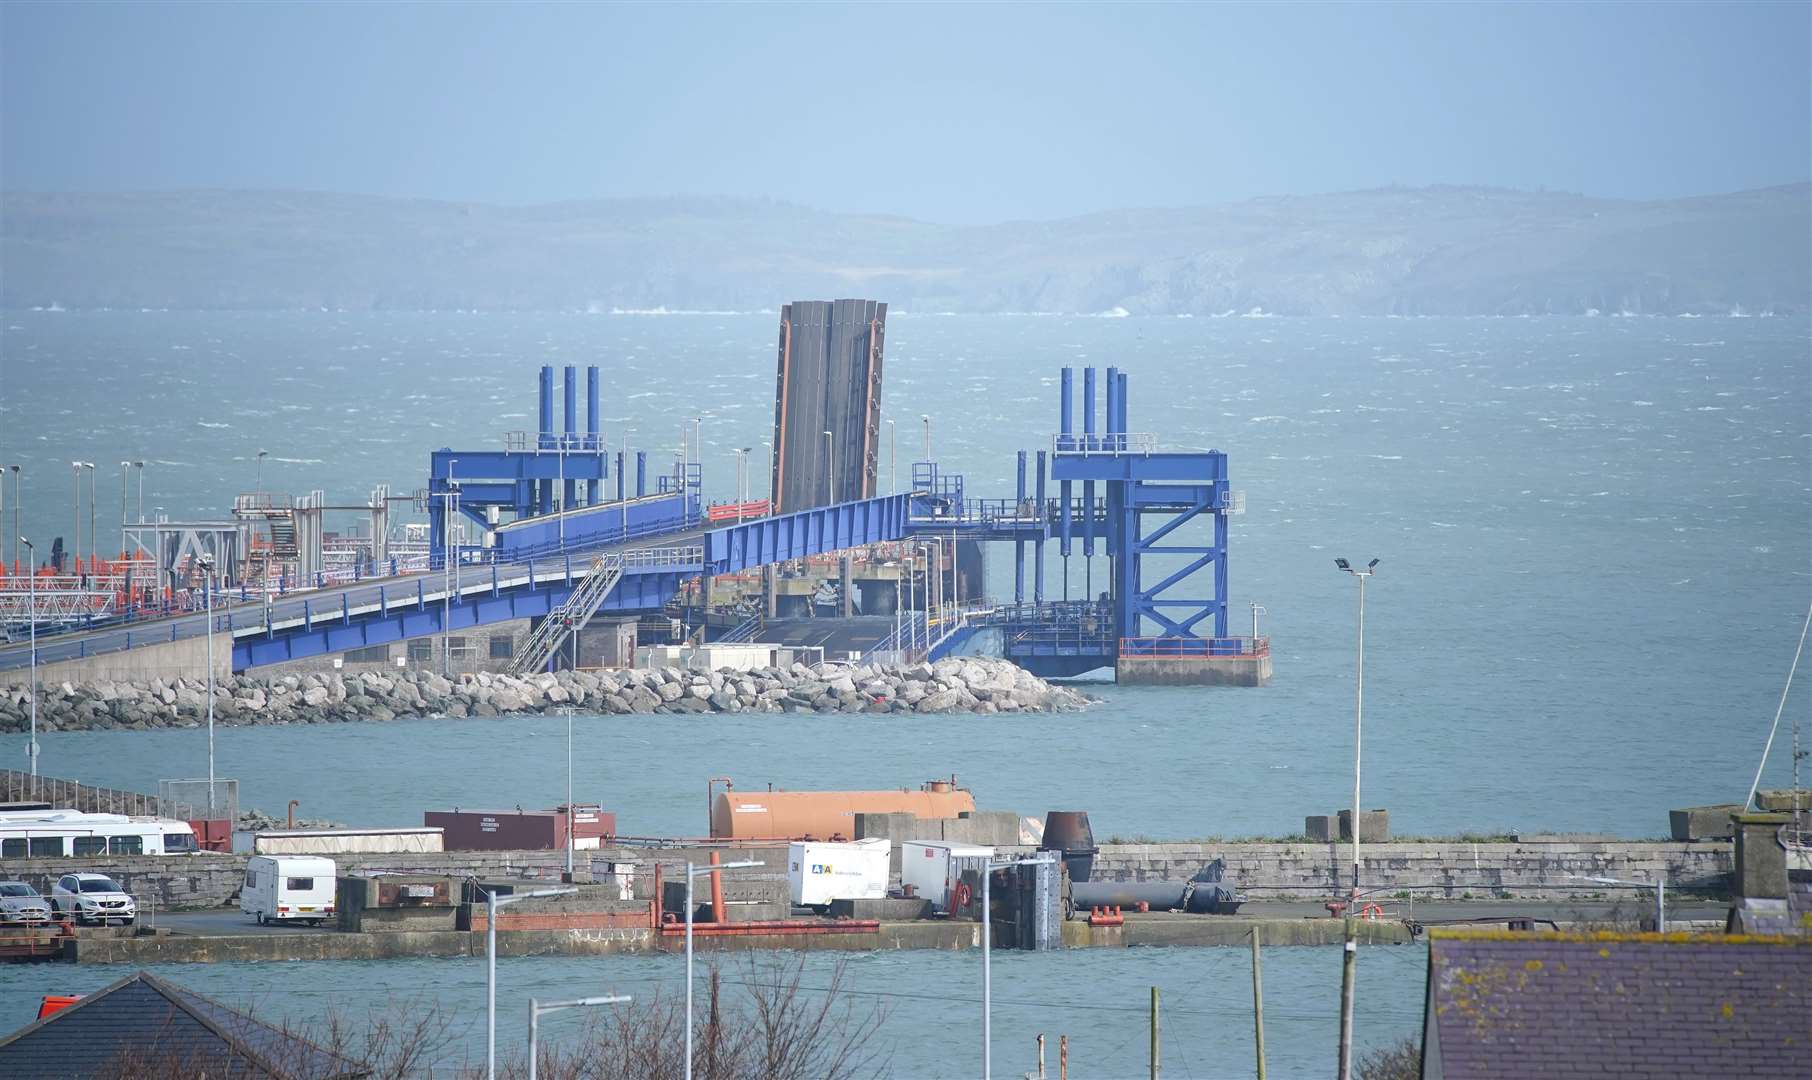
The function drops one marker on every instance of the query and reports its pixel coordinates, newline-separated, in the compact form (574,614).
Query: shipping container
(521,830)
(330,841)
(820,872)
(934,870)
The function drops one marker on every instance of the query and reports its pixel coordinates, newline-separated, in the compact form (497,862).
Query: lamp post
(14,469)
(31,593)
(568,710)
(449,571)
(125,472)
(94,546)
(925,418)
(75,469)
(140,466)
(987,949)
(207,588)
(691,873)
(742,472)
(491,903)
(1348,976)
(1660,887)
(830,465)
(262,454)
(536,1009)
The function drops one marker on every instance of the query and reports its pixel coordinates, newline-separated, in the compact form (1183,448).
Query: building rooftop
(142,1022)
(1507,1004)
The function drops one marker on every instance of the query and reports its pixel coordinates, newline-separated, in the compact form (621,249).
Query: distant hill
(1445,250)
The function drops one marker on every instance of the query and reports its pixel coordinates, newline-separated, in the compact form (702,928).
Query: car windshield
(16,888)
(98,885)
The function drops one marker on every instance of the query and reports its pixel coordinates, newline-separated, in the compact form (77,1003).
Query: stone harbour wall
(970,684)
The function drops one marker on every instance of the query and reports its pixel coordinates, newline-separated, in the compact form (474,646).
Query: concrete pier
(1193,670)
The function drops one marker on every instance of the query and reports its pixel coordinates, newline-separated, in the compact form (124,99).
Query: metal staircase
(570,617)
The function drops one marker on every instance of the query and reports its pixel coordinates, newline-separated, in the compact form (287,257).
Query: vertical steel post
(592,441)
(208,588)
(1347,975)
(490,982)
(1358,730)
(534,1033)
(1113,409)
(1038,544)
(31,607)
(987,979)
(569,794)
(1258,1005)
(1065,412)
(688,971)
(570,414)
(1154,1033)
(1019,546)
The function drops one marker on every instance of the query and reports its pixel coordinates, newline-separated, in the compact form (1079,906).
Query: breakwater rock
(976,685)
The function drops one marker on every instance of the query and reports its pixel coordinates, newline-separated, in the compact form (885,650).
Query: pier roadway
(255,619)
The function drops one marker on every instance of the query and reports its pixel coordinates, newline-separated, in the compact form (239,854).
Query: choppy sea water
(1596,553)
(1594,537)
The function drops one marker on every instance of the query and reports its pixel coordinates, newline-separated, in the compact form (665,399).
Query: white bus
(65,834)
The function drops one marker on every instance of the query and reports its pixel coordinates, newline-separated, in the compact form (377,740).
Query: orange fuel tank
(826,815)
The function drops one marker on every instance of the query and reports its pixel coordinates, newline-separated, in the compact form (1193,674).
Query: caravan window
(127,845)
(251,879)
(90,845)
(300,884)
(46,847)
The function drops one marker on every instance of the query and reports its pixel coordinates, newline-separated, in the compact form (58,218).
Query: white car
(21,904)
(92,898)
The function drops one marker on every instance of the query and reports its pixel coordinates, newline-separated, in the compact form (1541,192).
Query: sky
(958,113)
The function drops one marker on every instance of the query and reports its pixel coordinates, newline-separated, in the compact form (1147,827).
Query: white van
(281,888)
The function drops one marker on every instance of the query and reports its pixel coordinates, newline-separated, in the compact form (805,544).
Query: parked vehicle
(20,905)
(286,888)
(92,898)
(64,834)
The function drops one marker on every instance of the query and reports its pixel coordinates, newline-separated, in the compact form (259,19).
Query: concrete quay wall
(1298,871)
(1446,870)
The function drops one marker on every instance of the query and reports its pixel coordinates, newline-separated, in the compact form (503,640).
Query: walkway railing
(1191,648)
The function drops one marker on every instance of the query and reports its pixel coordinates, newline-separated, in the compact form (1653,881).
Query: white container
(934,868)
(288,888)
(425,840)
(819,872)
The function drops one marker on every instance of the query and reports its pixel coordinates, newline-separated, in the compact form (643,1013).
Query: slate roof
(145,1015)
(1503,1004)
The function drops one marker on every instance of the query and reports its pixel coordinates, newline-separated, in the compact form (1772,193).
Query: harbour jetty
(978,685)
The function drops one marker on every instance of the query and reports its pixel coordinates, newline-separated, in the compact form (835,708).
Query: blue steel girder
(642,589)
(817,531)
(1159,466)
(1180,504)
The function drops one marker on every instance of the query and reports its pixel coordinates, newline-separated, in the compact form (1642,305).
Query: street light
(536,1009)
(207,588)
(31,592)
(926,419)
(491,903)
(75,470)
(262,454)
(893,460)
(93,541)
(140,466)
(1659,885)
(987,965)
(692,872)
(742,473)
(125,473)
(1348,976)
(16,497)
(830,464)
(568,710)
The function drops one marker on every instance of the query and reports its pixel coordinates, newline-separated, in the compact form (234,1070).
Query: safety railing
(1125,442)
(1172,648)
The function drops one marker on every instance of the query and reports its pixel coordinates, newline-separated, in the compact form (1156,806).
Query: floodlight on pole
(491,903)
(537,1009)
(693,871)
(1349,977)
(31,592)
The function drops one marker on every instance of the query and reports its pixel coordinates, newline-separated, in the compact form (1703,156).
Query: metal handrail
(1125,442)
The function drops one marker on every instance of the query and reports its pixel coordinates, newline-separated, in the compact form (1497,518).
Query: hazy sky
(958,113)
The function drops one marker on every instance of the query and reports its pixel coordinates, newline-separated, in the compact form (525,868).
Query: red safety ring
(963,894)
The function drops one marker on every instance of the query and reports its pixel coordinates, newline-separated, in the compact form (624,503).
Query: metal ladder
(570,617)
